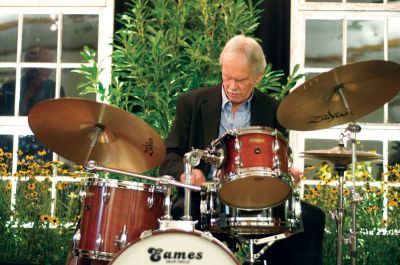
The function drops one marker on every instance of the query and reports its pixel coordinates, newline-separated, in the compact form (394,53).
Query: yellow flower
(20,153)
(393,203)
(372,209)
(54,220)
(42,153)
(44,218)
(1,152)
(62,185)
(73,195)
(29,157)
(77,218)
(9,185)
(8,155)
(31,186)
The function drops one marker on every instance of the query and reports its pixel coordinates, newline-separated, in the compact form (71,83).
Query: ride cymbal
(341,155)
(69,126)
(317,104)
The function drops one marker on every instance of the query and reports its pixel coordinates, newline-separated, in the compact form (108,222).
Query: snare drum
(219,218)
(177,247)
(253,174)
(115,213)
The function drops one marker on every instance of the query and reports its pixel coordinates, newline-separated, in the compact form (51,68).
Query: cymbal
(341,155)
(68,126)
(317,103)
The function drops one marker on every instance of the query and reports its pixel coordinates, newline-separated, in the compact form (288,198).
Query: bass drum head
(176,247)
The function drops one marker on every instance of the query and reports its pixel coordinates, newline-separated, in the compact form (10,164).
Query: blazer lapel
(211,115)
(261,115)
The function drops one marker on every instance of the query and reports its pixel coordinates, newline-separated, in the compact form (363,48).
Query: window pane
(8,37)
(373,117)
(78,31)
(37,84)
(394,110)
(70,82)
(394,40)
(323,43)
(7,91)
(39,31)
(364,40)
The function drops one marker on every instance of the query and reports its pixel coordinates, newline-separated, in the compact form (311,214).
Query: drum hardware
(150,200)
(106,195)
(276,161)
(122,239)
(99,240)
(341,157)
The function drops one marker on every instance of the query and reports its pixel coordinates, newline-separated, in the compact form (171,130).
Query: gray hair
(248,48)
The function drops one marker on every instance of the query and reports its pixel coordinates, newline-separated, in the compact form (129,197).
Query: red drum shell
(249,179)
(112,208)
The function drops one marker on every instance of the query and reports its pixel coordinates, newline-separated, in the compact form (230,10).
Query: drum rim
(124,184)
(202,234)
(92,254)
(257,129)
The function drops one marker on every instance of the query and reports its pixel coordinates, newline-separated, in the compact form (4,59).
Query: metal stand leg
(339,215)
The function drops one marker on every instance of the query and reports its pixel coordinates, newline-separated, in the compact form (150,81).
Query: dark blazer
(196,124)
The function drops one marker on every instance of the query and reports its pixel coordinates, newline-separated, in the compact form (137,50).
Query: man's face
(239,80)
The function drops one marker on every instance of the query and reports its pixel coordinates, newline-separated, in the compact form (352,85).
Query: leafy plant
(168,47)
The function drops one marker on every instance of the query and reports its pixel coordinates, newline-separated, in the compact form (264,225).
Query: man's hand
(296,175)
(198,177)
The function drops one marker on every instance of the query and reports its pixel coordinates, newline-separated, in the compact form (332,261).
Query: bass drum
(177,247)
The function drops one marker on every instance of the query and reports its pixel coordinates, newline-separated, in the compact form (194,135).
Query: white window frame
(302,10)
(16,125)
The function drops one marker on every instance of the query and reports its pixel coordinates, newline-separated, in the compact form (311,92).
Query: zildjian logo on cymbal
(329,116)
(149,147)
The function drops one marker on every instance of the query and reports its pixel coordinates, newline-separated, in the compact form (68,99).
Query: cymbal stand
(339,214)
(353,129)
(354,197)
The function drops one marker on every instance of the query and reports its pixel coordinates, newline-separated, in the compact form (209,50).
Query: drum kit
(252,196)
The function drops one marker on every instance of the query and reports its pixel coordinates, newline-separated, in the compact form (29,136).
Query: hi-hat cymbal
(317,104)
(341,155)
(68,126)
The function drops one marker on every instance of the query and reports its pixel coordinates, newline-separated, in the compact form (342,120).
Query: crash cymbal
(68,126)
(317,104)
(341,155)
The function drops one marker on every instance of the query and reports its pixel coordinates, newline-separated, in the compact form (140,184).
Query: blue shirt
(233,120)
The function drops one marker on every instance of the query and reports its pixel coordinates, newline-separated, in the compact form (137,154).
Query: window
(41,43)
